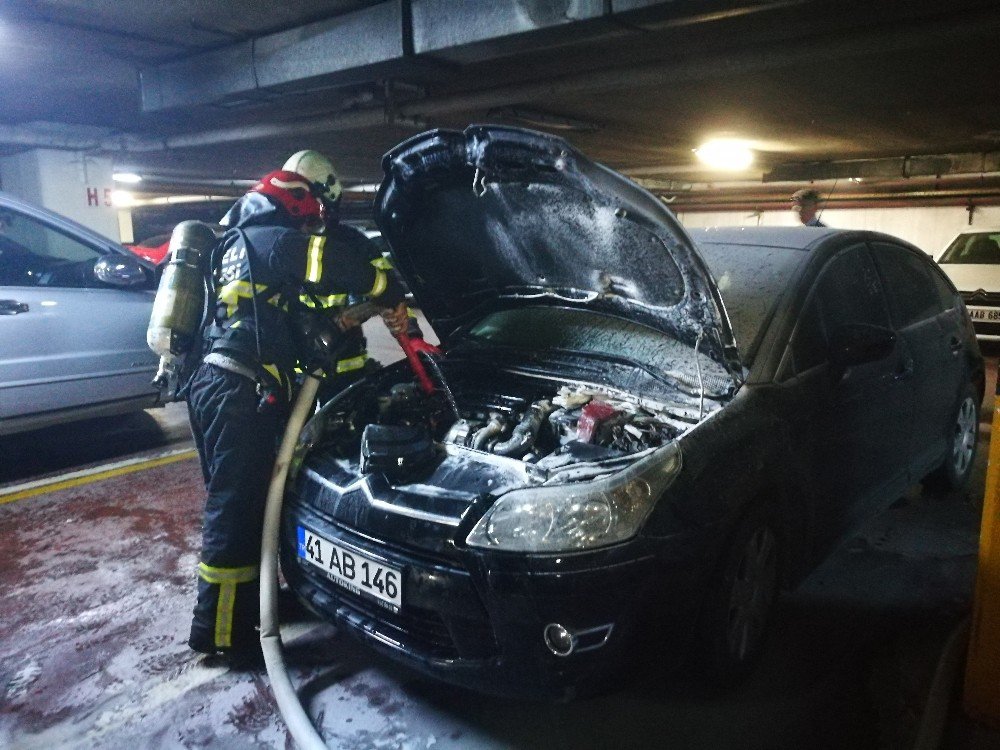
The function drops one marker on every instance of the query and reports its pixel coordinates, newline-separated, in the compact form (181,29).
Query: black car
(634,437)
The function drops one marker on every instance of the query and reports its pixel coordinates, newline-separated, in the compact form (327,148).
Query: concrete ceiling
(193,91)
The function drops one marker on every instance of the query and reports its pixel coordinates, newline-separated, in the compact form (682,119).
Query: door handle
(12,307)
(905,370)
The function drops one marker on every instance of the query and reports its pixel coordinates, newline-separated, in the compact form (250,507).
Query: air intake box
(395,449)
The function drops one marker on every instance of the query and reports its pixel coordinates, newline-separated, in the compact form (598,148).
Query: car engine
(568,425)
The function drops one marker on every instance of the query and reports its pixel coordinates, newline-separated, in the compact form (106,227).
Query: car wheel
(963,437)
(740,602)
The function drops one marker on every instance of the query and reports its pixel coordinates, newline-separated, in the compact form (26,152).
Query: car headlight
(578,516)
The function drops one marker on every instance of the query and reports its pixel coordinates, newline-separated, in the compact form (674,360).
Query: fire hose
(289,705)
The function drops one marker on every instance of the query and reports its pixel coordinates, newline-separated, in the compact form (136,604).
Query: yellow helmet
(319,171)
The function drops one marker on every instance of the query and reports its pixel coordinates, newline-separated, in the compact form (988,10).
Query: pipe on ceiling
(933,165)
(647,75)
(160,179)
(892,202)
(69,138)
(706,202)
(354,120)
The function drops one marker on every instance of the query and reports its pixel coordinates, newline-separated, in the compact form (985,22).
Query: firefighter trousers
(236,444)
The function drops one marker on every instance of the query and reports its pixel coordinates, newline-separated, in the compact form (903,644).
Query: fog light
(559,640)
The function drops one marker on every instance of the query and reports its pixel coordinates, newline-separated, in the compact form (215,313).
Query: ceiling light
(122,198)
(129,177)
(165,200)
(724,153)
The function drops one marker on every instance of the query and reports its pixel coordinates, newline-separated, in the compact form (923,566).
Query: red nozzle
(419,371)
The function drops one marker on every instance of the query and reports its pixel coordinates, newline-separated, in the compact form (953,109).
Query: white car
(972,262)
(74,307)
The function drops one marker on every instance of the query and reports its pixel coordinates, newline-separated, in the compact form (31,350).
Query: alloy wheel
(964,444)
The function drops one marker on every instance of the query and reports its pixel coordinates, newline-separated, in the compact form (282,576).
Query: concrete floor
(96,587)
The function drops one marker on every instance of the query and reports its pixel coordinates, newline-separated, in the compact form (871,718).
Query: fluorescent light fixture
(166,200)
(122,198)
(129,177)
(725,153)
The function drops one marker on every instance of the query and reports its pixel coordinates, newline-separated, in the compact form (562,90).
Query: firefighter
(320,172)
(239,394)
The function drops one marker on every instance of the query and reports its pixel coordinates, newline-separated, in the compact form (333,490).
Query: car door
(66,340)
(851,424)
(935,344)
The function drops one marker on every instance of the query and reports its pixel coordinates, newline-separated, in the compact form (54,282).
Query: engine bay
(540,422)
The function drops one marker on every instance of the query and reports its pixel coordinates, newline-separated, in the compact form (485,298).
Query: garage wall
(930,229)
(76,185)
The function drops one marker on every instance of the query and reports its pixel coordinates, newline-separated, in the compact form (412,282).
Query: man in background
(805,204)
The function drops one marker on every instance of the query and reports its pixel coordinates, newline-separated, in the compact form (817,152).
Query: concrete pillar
(72,183)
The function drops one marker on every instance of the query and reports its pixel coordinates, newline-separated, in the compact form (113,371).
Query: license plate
(357,573)
(984,313)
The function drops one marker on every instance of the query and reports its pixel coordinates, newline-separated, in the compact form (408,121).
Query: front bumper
(479,622)
(984,311)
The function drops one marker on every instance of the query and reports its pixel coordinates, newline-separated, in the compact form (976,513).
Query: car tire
(740,602)
(963,439)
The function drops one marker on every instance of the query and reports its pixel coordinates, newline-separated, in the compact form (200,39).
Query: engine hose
(492,429)
(523,438)
(289,705)
(444,383)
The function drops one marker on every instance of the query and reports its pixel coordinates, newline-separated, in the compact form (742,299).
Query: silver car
(74,307)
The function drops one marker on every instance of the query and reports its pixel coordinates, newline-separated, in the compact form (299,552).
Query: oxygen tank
(175,322)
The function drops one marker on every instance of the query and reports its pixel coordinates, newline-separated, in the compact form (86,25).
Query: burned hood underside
(496,216)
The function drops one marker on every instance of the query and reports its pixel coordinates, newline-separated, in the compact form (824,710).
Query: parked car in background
(154,249)
(74,307)
(637,438)
(972,262)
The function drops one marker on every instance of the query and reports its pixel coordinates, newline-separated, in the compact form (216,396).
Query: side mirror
(120,270)
(860,343)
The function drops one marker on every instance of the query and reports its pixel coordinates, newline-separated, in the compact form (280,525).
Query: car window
(808,344)
(973,247)
(34,254)
(850,291)
(947,296)
(908,284)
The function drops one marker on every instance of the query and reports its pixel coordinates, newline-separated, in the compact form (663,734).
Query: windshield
(553,329)
(974,247)
(547,328)
(751,279)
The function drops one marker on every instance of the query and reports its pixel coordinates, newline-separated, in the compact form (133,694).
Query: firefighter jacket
(355,353)
(265,270)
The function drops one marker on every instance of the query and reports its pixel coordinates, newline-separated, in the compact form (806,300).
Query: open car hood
(497,216)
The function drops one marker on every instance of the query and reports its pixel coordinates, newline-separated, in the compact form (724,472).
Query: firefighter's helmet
(319,171)
(292,192)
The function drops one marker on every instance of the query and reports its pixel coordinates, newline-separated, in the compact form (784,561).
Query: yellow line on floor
(77,479)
